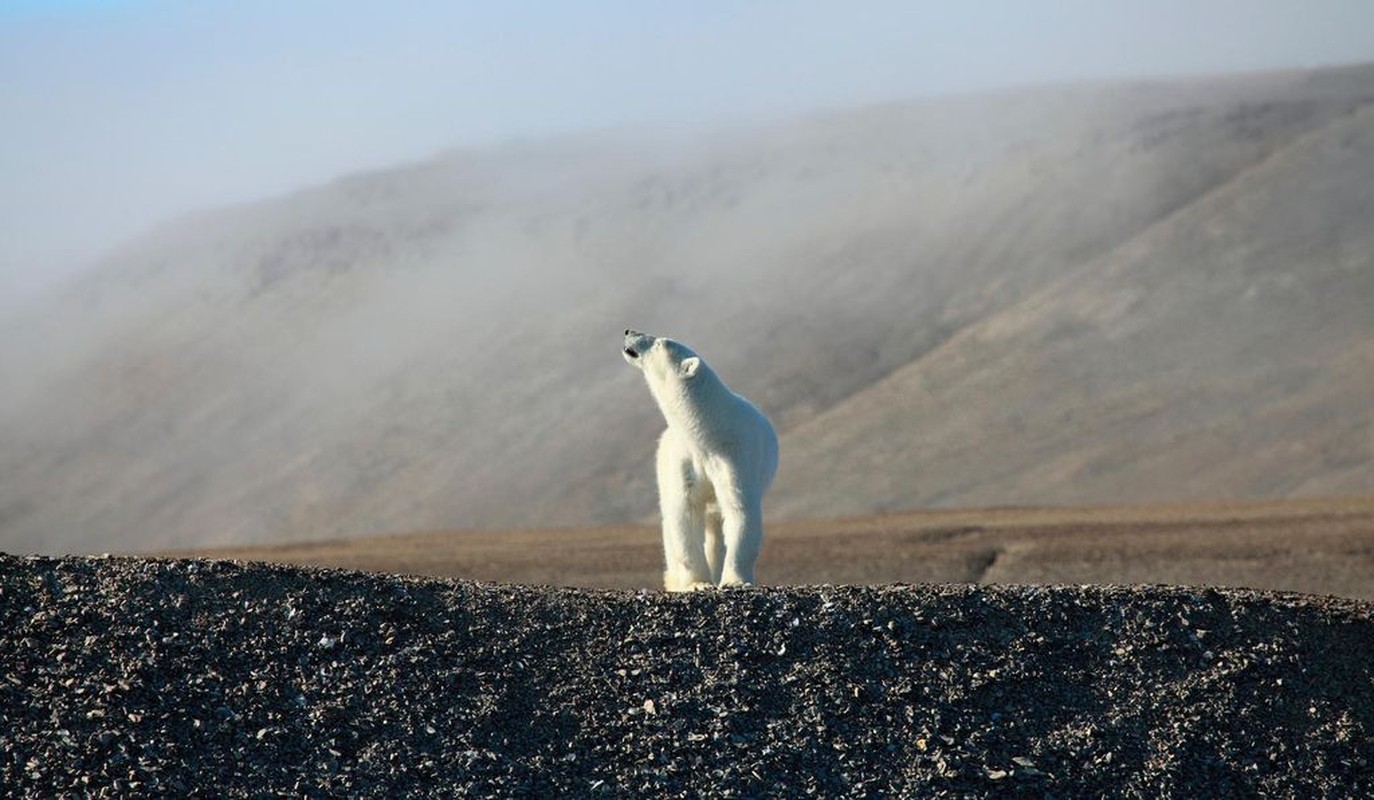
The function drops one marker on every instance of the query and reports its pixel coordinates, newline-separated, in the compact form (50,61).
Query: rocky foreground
(123,677)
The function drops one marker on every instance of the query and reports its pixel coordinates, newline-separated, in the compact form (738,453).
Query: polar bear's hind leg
(715,542)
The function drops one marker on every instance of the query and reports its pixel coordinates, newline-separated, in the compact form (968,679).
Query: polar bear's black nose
(627,331)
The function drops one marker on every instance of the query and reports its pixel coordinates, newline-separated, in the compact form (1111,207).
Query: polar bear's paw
(736,583)
(683,583)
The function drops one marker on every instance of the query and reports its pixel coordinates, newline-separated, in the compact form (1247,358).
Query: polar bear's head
(662,360)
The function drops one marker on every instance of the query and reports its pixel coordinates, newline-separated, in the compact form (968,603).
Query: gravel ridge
(196,678)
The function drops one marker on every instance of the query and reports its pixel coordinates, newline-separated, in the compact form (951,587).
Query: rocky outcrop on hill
(122,677)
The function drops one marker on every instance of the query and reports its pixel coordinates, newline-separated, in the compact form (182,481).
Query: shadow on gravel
(127,676)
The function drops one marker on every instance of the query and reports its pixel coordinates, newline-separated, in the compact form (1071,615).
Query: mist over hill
(1122,292)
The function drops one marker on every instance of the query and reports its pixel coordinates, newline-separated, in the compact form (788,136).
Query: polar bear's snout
(636,345)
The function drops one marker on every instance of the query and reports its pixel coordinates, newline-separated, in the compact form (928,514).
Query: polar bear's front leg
(684,520)
(742,529)
(684,548)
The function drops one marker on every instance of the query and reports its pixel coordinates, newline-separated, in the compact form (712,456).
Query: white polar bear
(715,461)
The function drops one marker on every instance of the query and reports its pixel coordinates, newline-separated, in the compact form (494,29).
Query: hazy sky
(115,114)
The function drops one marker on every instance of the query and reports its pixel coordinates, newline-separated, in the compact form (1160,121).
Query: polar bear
(715,461)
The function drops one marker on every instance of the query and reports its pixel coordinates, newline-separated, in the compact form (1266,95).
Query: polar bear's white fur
(715,461)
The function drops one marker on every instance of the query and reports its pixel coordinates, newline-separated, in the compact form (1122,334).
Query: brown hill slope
(128,676)
(1225,351)
(435,347)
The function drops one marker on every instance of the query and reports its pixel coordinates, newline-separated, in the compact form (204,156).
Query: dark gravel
(131,677)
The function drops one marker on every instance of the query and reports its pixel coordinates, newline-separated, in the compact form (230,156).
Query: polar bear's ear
(689,367)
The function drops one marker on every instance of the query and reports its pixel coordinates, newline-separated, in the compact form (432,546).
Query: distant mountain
(1101,293)
(1225,351)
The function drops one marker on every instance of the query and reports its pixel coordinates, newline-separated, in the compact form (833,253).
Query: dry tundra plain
(1317,546)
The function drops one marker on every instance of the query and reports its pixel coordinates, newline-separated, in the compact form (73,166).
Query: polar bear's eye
(629,351)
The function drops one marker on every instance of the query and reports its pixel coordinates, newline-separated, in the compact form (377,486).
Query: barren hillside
(1225,351)
(186,678)
(1115,292)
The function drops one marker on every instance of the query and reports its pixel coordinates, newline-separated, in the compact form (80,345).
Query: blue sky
(120,113)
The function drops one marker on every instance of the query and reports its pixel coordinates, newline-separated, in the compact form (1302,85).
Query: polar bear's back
(767,444)
(742,433)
